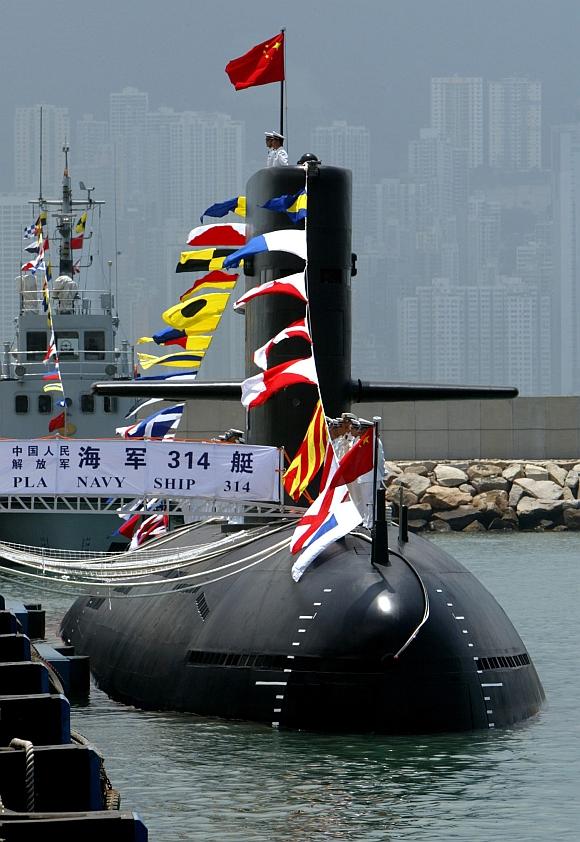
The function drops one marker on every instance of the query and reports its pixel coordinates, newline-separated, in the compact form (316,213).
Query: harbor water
(202,779)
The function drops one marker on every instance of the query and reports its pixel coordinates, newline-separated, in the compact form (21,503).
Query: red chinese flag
(263,64)
(57,423)
(356,461)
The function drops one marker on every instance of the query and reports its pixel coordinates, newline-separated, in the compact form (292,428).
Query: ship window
(94,344)
(35,344)
(67,344)
(44,404)
(87,403)
(20,404)
(110,404)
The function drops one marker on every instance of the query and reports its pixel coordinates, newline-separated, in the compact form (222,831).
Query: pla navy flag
(287,240)
(332,516)
(160,425)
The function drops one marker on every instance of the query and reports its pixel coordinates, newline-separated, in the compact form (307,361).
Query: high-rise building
(16,214)
(566,257)
(497,335)
(343,145)
(204,163)
(484,239)
(27,148)
(128,124)
(515,124)
(457,114)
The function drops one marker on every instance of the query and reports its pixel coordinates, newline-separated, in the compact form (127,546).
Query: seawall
(486,495)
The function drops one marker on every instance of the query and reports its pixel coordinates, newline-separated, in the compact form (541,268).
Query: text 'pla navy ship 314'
(378,631)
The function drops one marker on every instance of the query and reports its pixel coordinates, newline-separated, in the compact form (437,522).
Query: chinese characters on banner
(140,468)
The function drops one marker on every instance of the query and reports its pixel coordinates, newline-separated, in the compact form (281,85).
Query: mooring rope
(28,747)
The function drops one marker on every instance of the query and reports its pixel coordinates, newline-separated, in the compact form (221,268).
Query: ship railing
(82,362)
(67,301)
(190,509)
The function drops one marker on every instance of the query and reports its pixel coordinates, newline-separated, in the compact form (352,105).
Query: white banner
(101,468)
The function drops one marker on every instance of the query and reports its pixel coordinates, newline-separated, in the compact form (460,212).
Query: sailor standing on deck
(269,156)
(277,155)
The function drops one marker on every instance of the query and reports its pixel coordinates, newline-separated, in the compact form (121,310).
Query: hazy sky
(368,62)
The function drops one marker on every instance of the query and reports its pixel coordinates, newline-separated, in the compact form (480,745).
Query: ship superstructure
(66,338)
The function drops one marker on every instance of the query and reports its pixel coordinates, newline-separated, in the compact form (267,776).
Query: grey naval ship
(384,632)
(88,349)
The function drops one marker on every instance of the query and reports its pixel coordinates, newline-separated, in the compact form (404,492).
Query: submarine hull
(324,654)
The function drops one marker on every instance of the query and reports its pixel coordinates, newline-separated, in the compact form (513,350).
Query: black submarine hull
(414,644)
(323,654)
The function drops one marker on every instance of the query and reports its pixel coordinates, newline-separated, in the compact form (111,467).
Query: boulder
(567,494)
(503,523)
(458,518)
(490,484)
(449,477)
(571,518)
(443,499)
(535,471)
(576,467)
(513,472)
(414,482)
(474,526)
(515,495)
(491,504)
(467,488)
(393,495)
(421,468)
(571,481)
(420,511)
(556,473)
(532,512)
(540,489)
(417,525)
(438,526)
(392,468)
(483,469)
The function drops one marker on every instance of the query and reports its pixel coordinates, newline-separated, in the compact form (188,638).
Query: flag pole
(282,31)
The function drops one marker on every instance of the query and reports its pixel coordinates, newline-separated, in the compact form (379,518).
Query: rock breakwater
(486,495)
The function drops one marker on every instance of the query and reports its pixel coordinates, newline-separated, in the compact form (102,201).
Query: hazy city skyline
(370,65)
(463,213)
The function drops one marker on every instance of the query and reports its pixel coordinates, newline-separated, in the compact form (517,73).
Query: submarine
(384,633)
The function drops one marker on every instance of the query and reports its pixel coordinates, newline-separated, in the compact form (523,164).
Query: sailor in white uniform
(277,156)
(270,155)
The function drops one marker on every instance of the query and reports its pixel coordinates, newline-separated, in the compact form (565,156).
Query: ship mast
(65,221)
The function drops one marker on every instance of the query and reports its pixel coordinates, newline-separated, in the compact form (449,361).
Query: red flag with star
(263,64)
(356,461)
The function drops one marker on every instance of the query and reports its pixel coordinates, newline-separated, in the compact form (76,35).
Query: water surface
(200,779)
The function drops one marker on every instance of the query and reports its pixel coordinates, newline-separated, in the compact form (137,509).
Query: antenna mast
(40,176)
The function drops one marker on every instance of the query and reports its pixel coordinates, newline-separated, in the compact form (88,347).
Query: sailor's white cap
(277,135)
(269,134)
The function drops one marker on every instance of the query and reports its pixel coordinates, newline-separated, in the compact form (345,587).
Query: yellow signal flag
(181,359)
(200,314)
